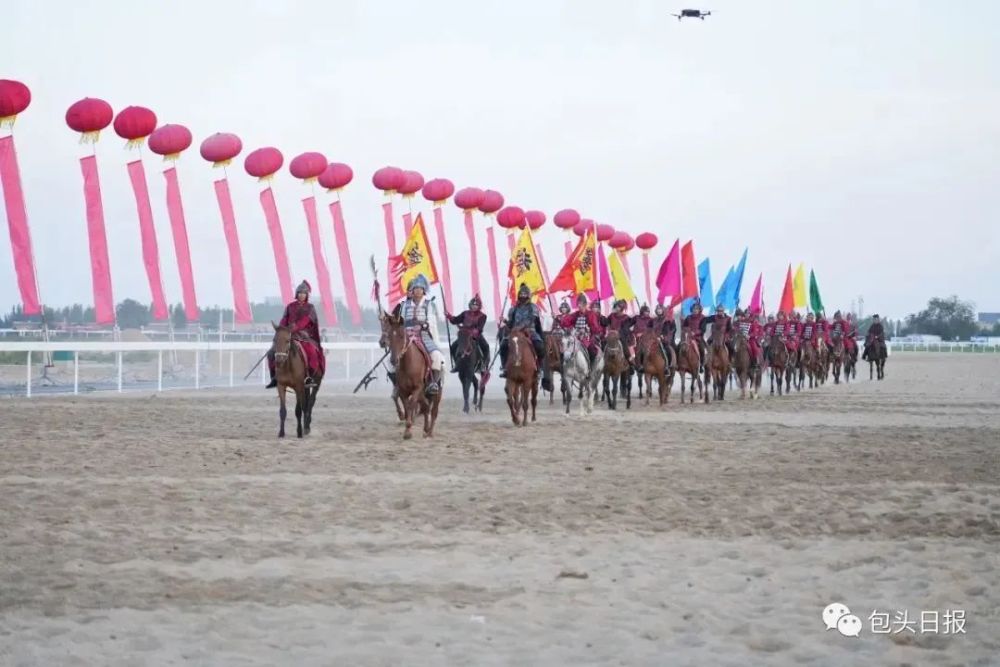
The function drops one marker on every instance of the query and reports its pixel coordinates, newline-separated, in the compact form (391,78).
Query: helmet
(476,302)
(419,280)
(781,315)
(875,316)
(644,310)
(621,303)
(738,313)
(837,314)
(523,292)
(581,299)
(770,318)
(696,306)
(659,309)
(595,304)
(810,316)
(564,307)
(303,288)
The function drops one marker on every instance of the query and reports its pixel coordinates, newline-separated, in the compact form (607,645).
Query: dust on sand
(171,528)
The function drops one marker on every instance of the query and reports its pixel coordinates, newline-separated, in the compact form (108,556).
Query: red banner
(278,243)
(346,265)
(241,304)
(147,234)
(100,268)
(568,248)
(491,243)
(17,222)
(470,232)
(178,227)
(443,250)
(322,272)
(645,270)
(407,224)
(390,232)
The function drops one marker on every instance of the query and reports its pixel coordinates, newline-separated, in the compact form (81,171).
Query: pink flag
(278,243)
(443,250)
(605,288)
(689,274)
(241,304)
(491,244)
(470,231)
(17,222)
(322,271)
(100,268)
(757,300)
(407,224)
(390,234)
(668,280)
(147,233)
(178,227)
(346,265)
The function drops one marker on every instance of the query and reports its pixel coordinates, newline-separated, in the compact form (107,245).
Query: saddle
(416,341)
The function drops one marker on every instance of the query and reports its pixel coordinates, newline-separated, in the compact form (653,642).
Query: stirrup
(310,382)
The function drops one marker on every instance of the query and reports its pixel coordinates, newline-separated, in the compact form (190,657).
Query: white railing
(972,348)
(213,364)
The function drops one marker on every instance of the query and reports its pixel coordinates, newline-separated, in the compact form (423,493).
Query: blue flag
(722,297)
(738,282)
(705,286)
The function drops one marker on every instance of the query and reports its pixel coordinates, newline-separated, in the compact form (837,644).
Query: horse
(688,361)
(837,358)
(618,369)
(383,342)
(876,353)
(576,368)
(290,372)
(522,377)
(777,355)
(717,368)
(552,360)
(809,364)
(658,361)
(794,359)
(851,363)
(412,365)
(469,362)
(745,366)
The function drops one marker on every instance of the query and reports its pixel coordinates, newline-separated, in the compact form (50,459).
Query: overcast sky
(859,137)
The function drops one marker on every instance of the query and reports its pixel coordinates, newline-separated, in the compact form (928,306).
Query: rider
(564,310)
(752,332)
(850,334)
(301,316)
(584,323)
(720,319)
(792,333)
(418,321)
(642,321)
(601,329)
(619,321)
(664,325)
(692,324)
(838,328)
(472,322)
(810,332)
(823,326)
(522,315)
(875,332)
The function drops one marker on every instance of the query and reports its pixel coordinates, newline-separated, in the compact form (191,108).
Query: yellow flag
(415,259)
(524,267)
(619,279)
(799,286)
(579,273)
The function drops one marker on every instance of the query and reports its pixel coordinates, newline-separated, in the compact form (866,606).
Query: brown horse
(876,352)
(717,368)
(290,372)
(688,361)
(412,364)
(658,362)
(552,360)
(837,358)
(618,370)
(777,354)
(383,342)
(810,364)
(746,369)
(470,365)
(522,377)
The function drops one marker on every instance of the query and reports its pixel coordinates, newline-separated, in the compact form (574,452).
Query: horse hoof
(407,436)
(281,435)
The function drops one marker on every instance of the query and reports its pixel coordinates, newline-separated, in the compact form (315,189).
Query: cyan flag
(705,286)
(738,282)
(727,286)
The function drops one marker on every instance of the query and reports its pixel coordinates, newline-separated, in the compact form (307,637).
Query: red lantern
(134,124)
(388,179)
(629,244)
(88,117)
(336,176)
(646,241)
(263,163)
(618,240)
(510,218)
(170,141)
(566,219)
(412,182)
(583,227)
(469,199)
(534,219)
(438,190)
(605,232)
(492,202)
(14,98)
(221,148)
(308,166)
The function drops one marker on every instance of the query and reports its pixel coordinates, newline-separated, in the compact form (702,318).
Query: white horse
(576,369)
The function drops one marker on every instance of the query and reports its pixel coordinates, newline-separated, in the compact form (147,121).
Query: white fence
(971,348)
(101,366)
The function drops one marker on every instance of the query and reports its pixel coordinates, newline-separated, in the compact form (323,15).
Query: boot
(310,381)
(273,383)
(503,365)
(435,386)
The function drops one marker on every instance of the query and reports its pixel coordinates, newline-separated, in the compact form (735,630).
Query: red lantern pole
(308,167)
(334,178)
(263,163)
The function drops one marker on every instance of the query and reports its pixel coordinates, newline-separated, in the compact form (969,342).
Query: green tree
(132,314)
(951,318)
(178,317)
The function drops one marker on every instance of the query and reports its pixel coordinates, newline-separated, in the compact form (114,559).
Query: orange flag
(788,294)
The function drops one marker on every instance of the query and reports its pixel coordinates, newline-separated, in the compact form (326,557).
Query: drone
(692,14)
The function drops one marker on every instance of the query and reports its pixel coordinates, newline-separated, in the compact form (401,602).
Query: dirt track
(176,528)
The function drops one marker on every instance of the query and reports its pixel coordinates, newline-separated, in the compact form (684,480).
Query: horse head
(282,343)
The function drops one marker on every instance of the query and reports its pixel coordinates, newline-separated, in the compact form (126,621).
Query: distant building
(986,320)
(273,301)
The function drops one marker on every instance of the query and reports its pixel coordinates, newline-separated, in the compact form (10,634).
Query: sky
(858,137)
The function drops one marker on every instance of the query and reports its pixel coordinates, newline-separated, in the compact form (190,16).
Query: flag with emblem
(579,273)
(525,269)
(619,279)
(414,259)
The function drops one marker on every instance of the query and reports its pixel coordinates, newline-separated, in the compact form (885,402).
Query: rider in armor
(564,310)
(522,315)
(665,326)
(850,334)
(752,332)
(692,324)
(719,319)
(420,322)
(875,332)
(619,321)
(584,323)
(472,322)
(810,332)
(301,316)
(642,321)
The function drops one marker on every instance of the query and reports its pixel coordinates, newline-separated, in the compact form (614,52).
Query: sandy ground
(175,529)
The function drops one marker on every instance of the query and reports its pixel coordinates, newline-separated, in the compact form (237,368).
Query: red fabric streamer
(407,224)
(510,243)
(241,304)
(568,247)
(491,243)
(17,223)
(443,250)
(346,266)
(147,234)
(322,271)
(278,243)
(624,258)
(390,233)
(178,227)
(645,270)
(100,268)
(470,231)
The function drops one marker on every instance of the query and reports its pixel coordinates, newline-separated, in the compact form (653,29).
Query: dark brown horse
(383,342)
(412,364)
(688,361)
(552,360)
(469,363)
(777,355)
(745,366)
(522,377)
(718,365)
(290,373)
(837,357)
(876,353)
(658,362)
(617,370)
(810,364)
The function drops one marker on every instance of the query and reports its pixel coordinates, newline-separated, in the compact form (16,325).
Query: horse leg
(299,396)
(409,407)
(282,412)
(534,400)
(465,392)
(511,390)
(435,404)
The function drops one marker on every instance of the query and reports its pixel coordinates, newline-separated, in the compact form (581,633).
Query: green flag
(815,300)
